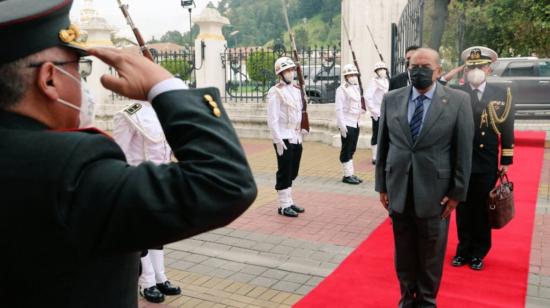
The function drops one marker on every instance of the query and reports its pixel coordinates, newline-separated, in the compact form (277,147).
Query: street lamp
(232,34)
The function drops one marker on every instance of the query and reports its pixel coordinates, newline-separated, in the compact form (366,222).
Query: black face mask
(421,77)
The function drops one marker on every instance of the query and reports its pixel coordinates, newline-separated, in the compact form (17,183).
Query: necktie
(416,120)
(478,94)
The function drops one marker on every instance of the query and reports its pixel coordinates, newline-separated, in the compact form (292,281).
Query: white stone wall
(378,15)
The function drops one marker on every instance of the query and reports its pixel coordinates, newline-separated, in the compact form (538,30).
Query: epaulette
(133,108)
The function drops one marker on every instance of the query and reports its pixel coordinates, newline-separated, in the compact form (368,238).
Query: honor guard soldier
(376,89)
(348,112)
(493,113)
(139,134)
(69,194)
(284,115)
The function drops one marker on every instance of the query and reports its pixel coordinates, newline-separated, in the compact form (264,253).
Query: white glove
(304,132)
(281,147)
(343,131)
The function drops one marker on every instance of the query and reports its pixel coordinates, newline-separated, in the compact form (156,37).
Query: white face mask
(353,80)
(87,106)
(288,76)
(476,77)
(382,73)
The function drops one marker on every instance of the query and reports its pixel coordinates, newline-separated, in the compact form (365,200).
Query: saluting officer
(284,115)
(71,193)
(139,134)
(493,112)
(348,113)
(376,89)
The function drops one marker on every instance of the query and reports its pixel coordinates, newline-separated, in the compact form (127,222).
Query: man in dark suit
(493,113)
(402,80)
(422,170)
(75,214)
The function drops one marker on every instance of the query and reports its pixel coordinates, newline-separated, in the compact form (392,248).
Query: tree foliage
(178,67)
(259,66)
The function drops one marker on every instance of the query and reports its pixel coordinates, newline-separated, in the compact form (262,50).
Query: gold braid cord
(494,118)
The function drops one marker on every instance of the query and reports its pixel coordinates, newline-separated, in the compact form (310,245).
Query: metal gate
(408,32)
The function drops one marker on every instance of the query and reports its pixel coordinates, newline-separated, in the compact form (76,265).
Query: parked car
(321,82)
(529,81)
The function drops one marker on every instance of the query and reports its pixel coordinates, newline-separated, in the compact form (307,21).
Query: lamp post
(189,5)
(232,34)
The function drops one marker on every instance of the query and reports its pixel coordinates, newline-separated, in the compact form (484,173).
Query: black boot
(152,295)
(287,211)
(350,180)
(168,289)
(297,209)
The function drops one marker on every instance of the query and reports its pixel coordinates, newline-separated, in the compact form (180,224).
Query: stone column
(208,59)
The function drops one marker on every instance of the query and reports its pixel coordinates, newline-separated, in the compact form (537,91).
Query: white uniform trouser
(152,269)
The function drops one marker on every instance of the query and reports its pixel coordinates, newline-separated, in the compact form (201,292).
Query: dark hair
(412,47)
(14,82)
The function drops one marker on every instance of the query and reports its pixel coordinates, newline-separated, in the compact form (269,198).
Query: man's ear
(47,80)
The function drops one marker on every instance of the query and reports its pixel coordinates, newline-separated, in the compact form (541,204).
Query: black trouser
(472,220)
(349,144)
(374,138)
(419,254)
(288,165)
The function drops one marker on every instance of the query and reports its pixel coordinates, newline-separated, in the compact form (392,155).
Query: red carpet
(367,277)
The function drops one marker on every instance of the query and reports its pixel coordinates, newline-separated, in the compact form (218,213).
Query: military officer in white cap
(348,112)
(376,89)
(493,113)
(139,134)
(284,115)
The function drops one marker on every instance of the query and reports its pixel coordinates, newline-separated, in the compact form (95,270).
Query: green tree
(259,66)
(178,67)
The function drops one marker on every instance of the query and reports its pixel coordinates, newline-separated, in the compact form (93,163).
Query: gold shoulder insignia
(212,103)
(132,108)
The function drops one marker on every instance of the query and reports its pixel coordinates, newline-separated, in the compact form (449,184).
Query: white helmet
(283,63)
(350,69)
(380,65)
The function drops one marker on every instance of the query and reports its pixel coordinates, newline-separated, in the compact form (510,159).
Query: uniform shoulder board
(132,108)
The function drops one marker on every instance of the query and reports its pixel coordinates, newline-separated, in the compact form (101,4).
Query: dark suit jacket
(75,215)
(399,81)
(486,141)
(439,160)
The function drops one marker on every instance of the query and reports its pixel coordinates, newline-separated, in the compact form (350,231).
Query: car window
(544,68)
(522,68)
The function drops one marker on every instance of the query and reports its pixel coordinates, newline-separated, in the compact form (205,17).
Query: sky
(152,17)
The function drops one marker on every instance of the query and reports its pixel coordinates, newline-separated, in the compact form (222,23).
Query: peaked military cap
(29,26)
(478,55)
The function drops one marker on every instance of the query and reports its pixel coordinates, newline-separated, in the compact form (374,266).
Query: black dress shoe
(360,180)
(287,211)
(476,264)
(168,289)
(458,261)
(350,180)
(152,295)
(297,209)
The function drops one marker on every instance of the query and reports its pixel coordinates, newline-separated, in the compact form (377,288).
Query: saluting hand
(450,205)
(136,74)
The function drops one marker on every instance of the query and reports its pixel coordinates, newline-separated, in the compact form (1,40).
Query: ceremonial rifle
(144,50)
(375,46)
(305,119)
(363,105)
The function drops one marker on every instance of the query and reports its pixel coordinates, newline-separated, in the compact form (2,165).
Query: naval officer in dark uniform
(493,112)
(75,214)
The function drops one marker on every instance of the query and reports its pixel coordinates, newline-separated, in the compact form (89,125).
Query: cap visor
(80,49)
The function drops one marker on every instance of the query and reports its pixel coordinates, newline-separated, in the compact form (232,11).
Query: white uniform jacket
(139,133)
(376,89)
(348,105)
(284,113)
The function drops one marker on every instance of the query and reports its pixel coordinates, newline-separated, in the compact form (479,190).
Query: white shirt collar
(481,87)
